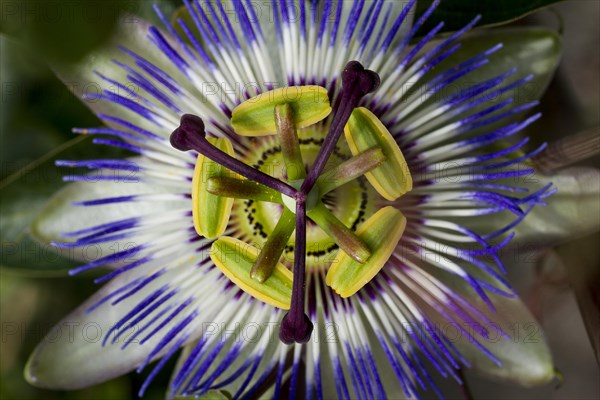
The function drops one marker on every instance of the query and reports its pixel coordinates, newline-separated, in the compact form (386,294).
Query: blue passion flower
(312,207)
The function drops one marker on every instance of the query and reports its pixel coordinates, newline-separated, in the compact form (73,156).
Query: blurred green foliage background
(37,113)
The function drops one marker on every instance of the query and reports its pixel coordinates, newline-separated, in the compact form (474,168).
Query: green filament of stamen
(276,243)
(290,145)
(342,235)
(242,189)
(350,170)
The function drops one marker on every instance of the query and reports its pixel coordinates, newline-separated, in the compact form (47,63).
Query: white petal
(59,216)
(72,357)
(525,358)
(524,354)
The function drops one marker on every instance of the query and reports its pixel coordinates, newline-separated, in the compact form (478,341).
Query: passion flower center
(299,194)
(350,202)
(311,198)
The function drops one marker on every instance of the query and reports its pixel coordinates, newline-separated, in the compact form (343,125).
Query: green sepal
(256,116)
(235,259)
(210,212)
(381,233)
(364,131)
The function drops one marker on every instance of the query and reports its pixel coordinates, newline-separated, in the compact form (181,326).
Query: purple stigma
(357,82)
(296,326)
(190,135)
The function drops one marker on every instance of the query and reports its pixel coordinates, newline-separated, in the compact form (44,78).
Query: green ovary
(351,203)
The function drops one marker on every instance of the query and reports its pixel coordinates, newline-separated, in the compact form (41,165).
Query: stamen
(235,259)
(365,131)
(381,232)
(242,189)
(350,170)
(296,326)
(190,135)
(210,213)
(357,82)
(290,146)
(342,235)
(254,117)
(273,248)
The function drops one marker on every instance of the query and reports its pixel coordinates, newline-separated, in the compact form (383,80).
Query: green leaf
(37,111)
(48,26)
(457,13)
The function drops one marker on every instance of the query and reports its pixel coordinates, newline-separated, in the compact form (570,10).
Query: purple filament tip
(356,83)
(190,135)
